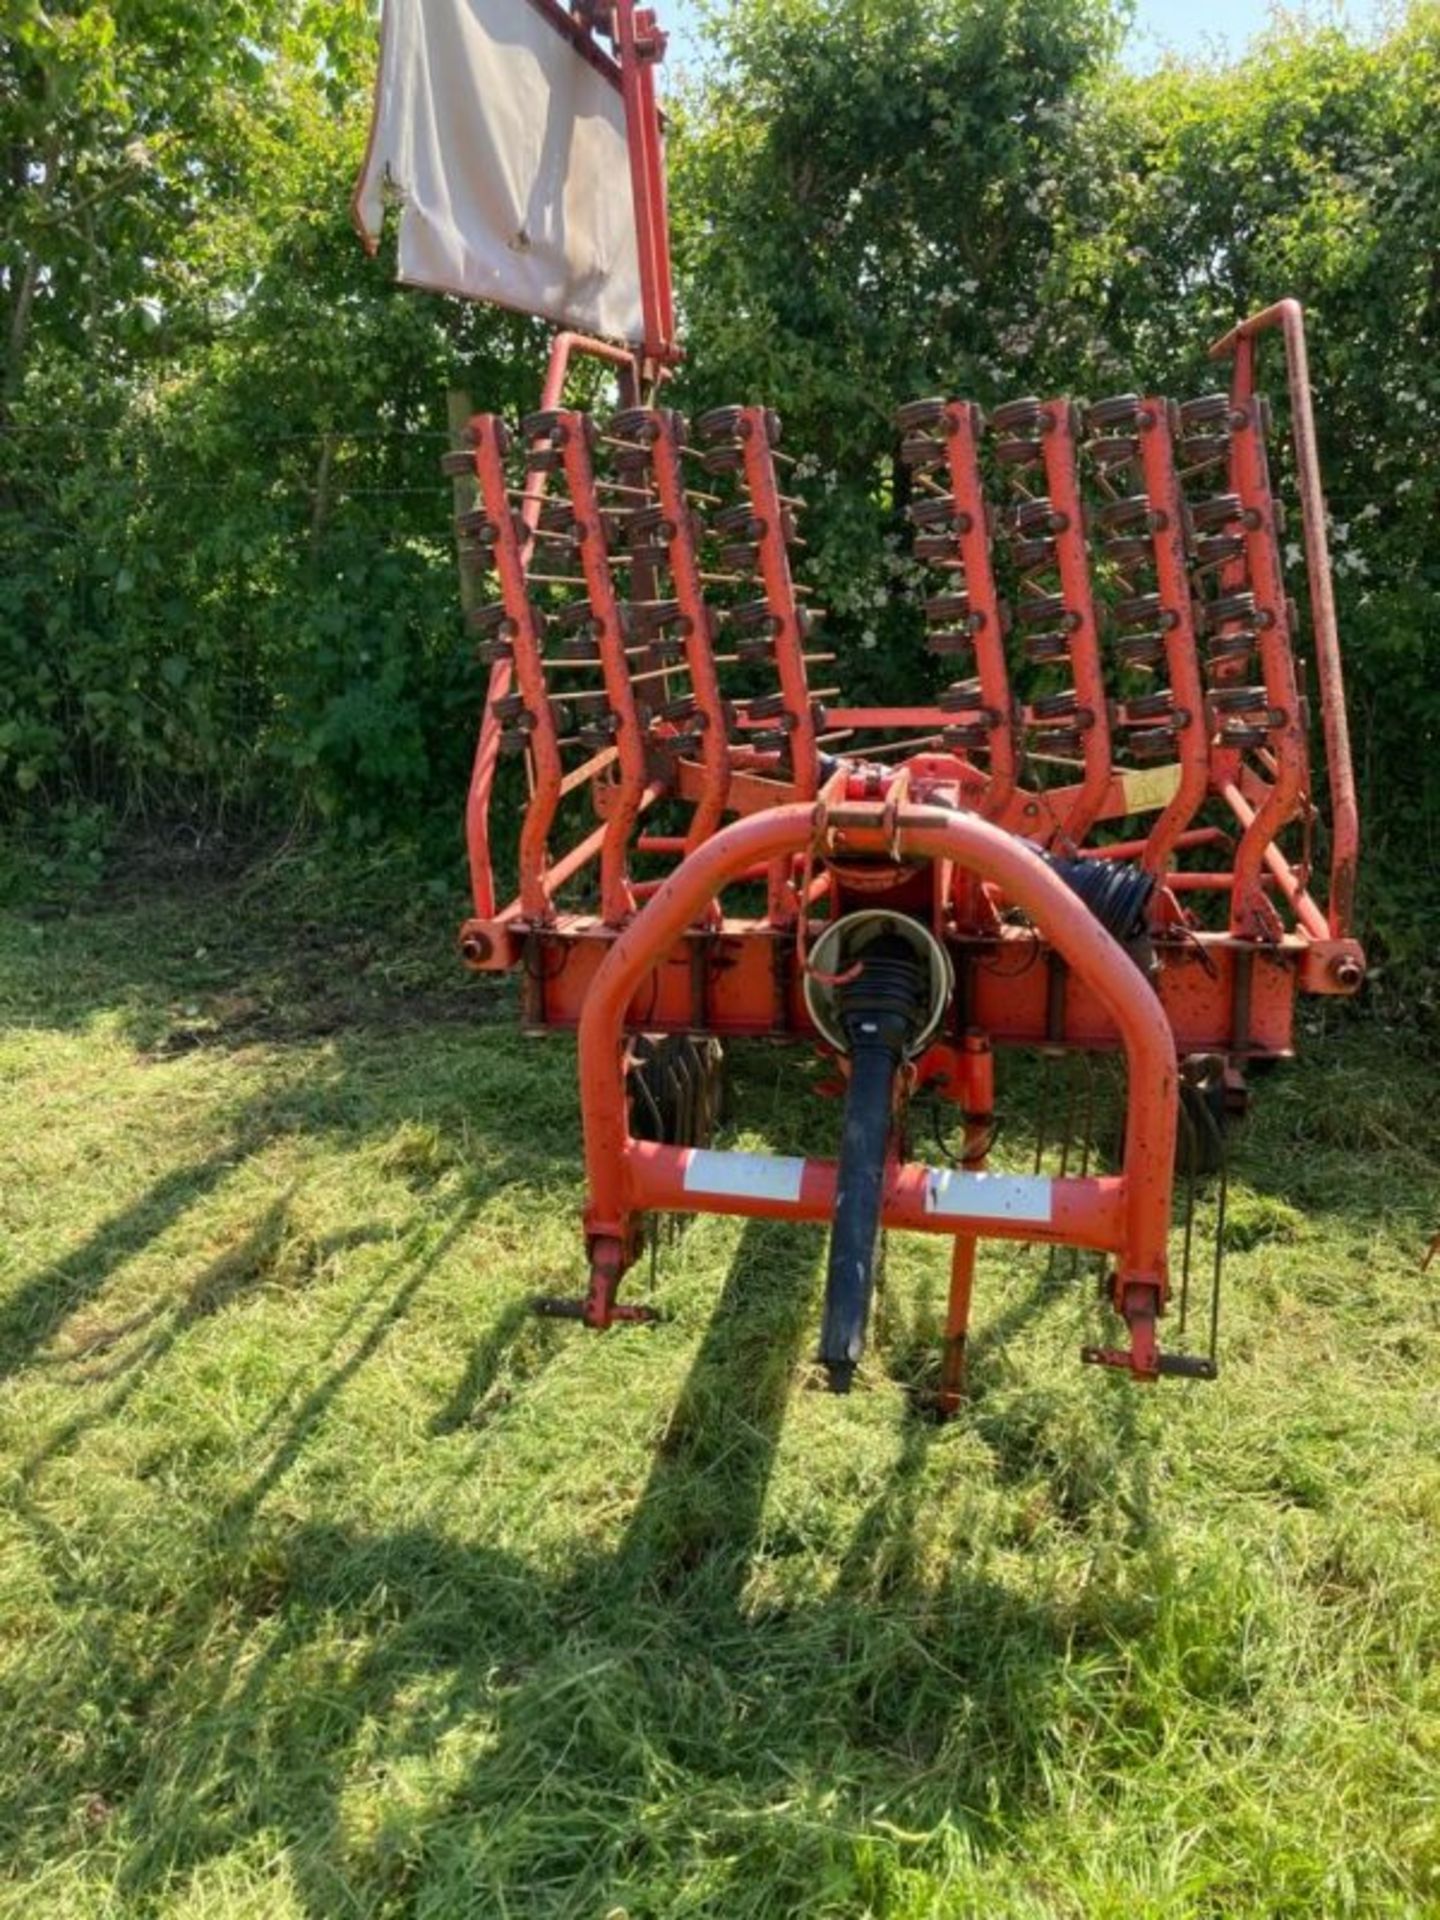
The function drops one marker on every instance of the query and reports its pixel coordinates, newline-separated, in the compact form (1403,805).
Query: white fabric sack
(506,147)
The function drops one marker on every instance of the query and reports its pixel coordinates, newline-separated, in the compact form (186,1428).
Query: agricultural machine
(1093,832)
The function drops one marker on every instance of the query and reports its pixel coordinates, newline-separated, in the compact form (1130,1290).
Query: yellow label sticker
(1150,789)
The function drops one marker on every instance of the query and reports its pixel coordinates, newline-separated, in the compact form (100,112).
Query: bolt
(476,948)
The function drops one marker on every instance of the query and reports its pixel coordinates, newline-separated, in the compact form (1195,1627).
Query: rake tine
(1043,1108)
(1191,1146)
(1087,1144)
(675,1077)
(1067,1131)
(1221,1202)
(1041,1129)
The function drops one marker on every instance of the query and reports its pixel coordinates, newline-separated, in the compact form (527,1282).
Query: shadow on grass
(342,1100)
(611,1720)
(578,1734)
(269,949)
(511,1351)
(37,1306)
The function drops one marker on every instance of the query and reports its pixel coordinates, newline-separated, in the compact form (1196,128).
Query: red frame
(939,835)
(943,834)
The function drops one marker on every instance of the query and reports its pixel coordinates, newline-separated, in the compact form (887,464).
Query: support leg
(609,1259)
(957,1325)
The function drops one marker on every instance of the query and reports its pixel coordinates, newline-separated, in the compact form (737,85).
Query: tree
(866,197)
(227,572)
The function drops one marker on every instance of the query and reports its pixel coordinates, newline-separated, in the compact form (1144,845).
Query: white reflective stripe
(743,1176)
(990,1196)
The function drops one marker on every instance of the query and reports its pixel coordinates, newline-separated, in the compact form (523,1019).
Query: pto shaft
(879,1012)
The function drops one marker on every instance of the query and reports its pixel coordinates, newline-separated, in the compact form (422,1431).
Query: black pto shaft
(881,1010)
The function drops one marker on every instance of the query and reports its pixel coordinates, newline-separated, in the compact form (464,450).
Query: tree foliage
(226,567)
(1312,169)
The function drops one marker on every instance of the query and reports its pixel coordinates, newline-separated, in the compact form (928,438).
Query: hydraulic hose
(1117,892)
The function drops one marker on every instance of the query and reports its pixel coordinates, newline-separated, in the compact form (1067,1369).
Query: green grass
(333,1583)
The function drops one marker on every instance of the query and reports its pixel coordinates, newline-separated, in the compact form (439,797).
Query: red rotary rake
(1091,833)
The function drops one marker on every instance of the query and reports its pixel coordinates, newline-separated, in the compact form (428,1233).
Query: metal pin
(619,486)
(901,746)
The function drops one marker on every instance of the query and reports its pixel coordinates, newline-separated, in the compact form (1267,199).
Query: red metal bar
(962,453)
(574,860)
(1309,916)
(699,637)
(529,669)
(578,33)
(642,133)
(1008,997)
(650,37)
(1182,653)
(487,748)
(1086,1211)
(623,799)
(1132,849)
(1063,486)
(875,718)
(1289,317)
(1250,913)
(760,483)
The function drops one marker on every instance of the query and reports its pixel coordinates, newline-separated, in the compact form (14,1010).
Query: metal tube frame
(972,539)
(1086,801)
(1182,653)
(741,972)
(1127,1215)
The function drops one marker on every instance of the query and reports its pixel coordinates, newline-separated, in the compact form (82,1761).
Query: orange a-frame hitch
(1125,1215)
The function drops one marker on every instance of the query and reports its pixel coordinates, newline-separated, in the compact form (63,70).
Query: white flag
(504,143)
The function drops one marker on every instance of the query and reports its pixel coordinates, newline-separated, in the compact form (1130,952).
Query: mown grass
(333,1583)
